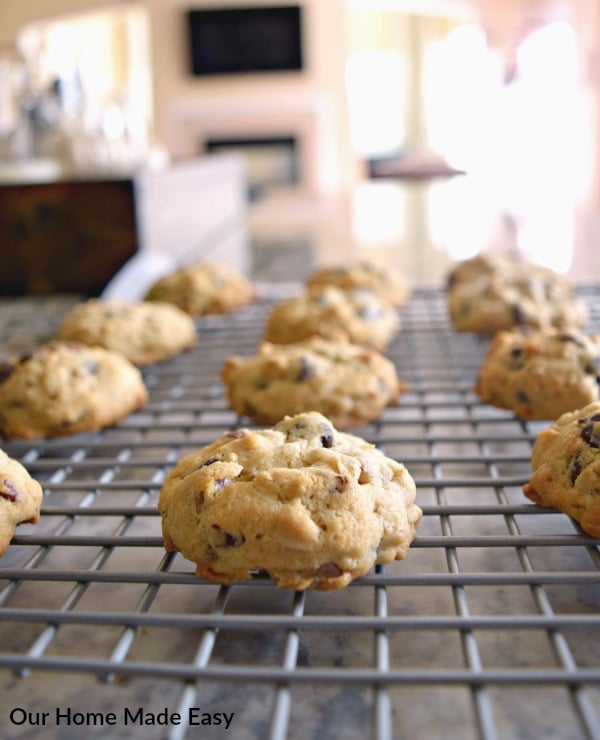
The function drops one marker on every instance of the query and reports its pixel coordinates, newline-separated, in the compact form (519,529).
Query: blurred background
(443,127)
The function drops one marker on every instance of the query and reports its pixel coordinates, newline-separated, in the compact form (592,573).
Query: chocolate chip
(517,314)
(210,461)
(249,409)
(327,438)
(8,490)
(328,570)
(522,397)
(575,471)
(233,541)
(590,365)
(220,483)
(589,433)
(517,358)
(306,370)
(222,538)
(341,483)
(6,370)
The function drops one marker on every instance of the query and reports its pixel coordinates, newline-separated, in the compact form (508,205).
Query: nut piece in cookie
(64,387)
(349,384)
(540,374)
(143,331)
(312,507)
(383,281)
(355,315)
(204,288)
(566,467)
(20,499)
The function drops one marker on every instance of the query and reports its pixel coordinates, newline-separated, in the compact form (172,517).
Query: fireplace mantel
(308,120)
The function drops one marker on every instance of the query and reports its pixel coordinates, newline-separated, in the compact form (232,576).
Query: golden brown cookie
(482,265)
(349,384)
(20,499)
(540,374)
(204,288)
(64,387)
(383,281)
(308,505)
(143,331)
(355,315)
(516,293)
(566,467)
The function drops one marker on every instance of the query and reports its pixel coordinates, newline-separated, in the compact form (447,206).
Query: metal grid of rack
(489,629)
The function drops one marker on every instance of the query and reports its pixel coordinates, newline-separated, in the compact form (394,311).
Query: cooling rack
(489,629)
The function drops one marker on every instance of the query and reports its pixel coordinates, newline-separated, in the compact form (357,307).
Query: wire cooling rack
(489,629)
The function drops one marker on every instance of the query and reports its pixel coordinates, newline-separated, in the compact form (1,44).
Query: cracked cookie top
(349,384)
(356,315)
(66,387)
(388,283)
(204,288)
(310,506)
(541,374)
(143,331)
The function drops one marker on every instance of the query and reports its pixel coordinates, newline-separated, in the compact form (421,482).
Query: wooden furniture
(73,235)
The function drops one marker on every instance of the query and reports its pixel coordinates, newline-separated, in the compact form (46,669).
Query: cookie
(65,387)
(20,499)
(312,507)
(383,281)
(349,384)
(482,265)
(566,467)
(204,288)
(521,296)
(145,332)
(540,374)
(355,315)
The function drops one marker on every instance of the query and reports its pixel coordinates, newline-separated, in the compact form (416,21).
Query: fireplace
(290,137)
(269,160)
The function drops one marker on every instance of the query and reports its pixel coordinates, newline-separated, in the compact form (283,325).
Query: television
(236,40)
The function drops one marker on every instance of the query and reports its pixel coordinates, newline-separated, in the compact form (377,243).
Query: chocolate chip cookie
(204,288)
(482,265)
(145,332)
(65,387)
(349,384)
(516,294)
(356,315)
(308,505)
(540,374)
(566,467)
(383,281)
(20,499)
